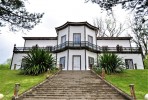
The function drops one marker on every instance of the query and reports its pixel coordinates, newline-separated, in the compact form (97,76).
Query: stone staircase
(73,85)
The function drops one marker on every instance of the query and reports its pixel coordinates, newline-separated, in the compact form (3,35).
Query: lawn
(8,78)
(137,77)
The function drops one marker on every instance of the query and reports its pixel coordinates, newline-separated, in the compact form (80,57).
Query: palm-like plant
(111,63)
(37,61)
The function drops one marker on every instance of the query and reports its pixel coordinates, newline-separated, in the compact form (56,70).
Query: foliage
(37,61)
(109,27)
(111,63)
(146,62)
(4,66)
(97,69)
(53,70)
(13,13)
(137,77)
(139,6)
(8,61)
(140,35)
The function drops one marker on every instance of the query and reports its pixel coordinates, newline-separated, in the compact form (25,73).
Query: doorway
(76,62)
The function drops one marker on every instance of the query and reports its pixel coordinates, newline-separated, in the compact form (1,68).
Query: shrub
(97,69)
(111,63)
(37,61)
(4,66)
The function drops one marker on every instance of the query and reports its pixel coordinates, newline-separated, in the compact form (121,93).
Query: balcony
(81,45)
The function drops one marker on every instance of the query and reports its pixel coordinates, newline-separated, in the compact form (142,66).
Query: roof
(40,38)
(76,24)
(114,38)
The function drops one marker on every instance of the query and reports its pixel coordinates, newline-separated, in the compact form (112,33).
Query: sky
(57,12)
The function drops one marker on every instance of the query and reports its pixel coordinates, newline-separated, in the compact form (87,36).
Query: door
(129,63)
(62,61)
(76,62)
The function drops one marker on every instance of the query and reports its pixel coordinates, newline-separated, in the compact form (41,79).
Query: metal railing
(81,45)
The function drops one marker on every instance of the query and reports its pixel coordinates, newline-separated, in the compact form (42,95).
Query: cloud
(57,12)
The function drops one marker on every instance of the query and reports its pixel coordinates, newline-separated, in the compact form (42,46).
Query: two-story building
(77,46)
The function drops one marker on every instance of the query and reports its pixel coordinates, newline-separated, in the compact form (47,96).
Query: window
(62,61)
(91,60)
(129,63)
(63,39)
(77,38)
(90,39)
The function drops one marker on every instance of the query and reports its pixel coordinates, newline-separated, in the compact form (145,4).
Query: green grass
(146,62)
(137,77)
(8,78)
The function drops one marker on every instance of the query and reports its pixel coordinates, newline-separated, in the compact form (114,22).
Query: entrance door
(129,64)
(76,62)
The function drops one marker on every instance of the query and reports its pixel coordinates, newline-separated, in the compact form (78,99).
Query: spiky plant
(37,61)
(111,63)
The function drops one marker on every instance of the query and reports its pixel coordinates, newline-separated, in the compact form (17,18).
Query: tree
(109,28)
(140,35)
(14,14)
(8,61)
(139,6)
(37,61)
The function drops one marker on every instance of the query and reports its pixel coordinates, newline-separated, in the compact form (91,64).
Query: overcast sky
(57,12)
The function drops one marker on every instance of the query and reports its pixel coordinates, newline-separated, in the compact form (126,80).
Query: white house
(77,46)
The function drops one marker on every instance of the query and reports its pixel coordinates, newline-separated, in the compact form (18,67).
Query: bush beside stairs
(73,85)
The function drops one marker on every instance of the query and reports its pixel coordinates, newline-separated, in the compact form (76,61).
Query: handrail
(82,44)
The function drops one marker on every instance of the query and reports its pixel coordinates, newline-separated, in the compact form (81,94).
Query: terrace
(81,45)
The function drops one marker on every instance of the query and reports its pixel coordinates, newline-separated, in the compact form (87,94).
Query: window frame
(91,39)
(64,36)
(91,60)
(63,67)
(127,67)
(76,42)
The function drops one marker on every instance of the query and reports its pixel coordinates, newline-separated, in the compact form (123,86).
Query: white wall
(90,54)
(62,33)
(77,52)
(62,54)
(137,58)
(91,33)
(41,43)
(76,29)
(17,59)
(113,43)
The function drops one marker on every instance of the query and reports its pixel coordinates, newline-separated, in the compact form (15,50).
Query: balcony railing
(80,45)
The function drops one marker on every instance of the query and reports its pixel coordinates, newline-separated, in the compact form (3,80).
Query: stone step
(77,96)
(73,85)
